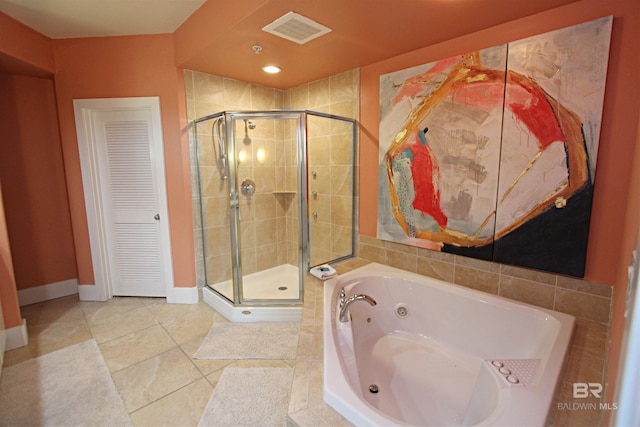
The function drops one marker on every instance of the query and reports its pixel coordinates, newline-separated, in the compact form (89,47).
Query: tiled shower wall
(269,220)
(207,94)
(330,162)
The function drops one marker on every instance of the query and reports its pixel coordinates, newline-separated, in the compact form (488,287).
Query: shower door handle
(234,203)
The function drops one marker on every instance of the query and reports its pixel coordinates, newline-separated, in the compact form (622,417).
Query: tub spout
(345,303)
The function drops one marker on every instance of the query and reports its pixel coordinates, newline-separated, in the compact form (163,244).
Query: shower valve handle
(248,187)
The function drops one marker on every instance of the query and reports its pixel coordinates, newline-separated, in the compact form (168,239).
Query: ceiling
(64,19)
(221,33)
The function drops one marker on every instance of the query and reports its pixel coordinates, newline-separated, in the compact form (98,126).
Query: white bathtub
(436,366)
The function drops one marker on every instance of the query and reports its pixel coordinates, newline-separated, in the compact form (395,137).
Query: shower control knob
(248,187)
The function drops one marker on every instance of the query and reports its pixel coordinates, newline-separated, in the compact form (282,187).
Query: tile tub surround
(589,302)
(136,334)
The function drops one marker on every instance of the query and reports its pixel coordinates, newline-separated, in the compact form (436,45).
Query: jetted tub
(431,353)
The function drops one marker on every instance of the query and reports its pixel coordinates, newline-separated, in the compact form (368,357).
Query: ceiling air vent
(296,28)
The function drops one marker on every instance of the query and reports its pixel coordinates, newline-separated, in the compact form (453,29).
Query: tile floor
(148,346)
(146,341)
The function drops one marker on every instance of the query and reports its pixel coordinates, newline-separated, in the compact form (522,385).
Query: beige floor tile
(300,387)
(185,322)
(330,416)
(154,378)
(316,390)
(318,343)
(45,338)
(260,363)
(305,343)
(119,324)
(167,312)
(205,366)
(187,328)
(305,418)
(214,377)
(130,349)
(183,407)
(98,311)
(66,309)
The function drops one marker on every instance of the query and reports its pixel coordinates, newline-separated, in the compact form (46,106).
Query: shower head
(248,125)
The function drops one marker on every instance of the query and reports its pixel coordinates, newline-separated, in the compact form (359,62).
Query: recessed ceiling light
(271,69)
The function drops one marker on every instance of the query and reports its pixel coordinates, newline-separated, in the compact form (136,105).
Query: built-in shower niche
(275,197)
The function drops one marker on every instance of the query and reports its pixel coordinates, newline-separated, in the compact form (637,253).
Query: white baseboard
(183,295)
(17,336)
(92,293)
(47,292)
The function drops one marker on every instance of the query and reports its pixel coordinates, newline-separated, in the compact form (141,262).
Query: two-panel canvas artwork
(492,154)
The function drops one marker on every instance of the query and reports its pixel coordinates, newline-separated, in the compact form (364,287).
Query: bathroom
(89,73)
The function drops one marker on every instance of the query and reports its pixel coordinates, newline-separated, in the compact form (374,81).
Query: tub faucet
(346,302)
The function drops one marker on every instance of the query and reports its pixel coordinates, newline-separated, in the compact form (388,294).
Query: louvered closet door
(130,197)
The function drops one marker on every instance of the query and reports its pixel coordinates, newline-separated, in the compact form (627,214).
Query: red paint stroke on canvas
(527,102)
(425,175)
(531,107)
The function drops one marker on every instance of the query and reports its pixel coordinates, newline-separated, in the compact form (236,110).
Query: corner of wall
(183,295)
(92,293)
(17,336)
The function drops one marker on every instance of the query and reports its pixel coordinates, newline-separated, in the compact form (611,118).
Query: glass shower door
(331,148)
(215,257)
(265,153)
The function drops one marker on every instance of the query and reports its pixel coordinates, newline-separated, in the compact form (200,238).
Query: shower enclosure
(276,196)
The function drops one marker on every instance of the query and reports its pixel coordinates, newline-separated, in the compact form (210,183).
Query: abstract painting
(492,154)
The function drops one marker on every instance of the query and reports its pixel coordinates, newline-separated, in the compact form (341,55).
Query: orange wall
(8,293)
(35,194)
(131,66)
(24,45)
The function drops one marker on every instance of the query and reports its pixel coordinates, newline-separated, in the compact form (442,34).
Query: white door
(122,145)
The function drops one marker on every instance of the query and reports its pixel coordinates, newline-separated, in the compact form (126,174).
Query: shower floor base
(278,284)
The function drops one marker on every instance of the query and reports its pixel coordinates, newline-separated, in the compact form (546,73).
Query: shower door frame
(303,236)
(302,192)
(354,175)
